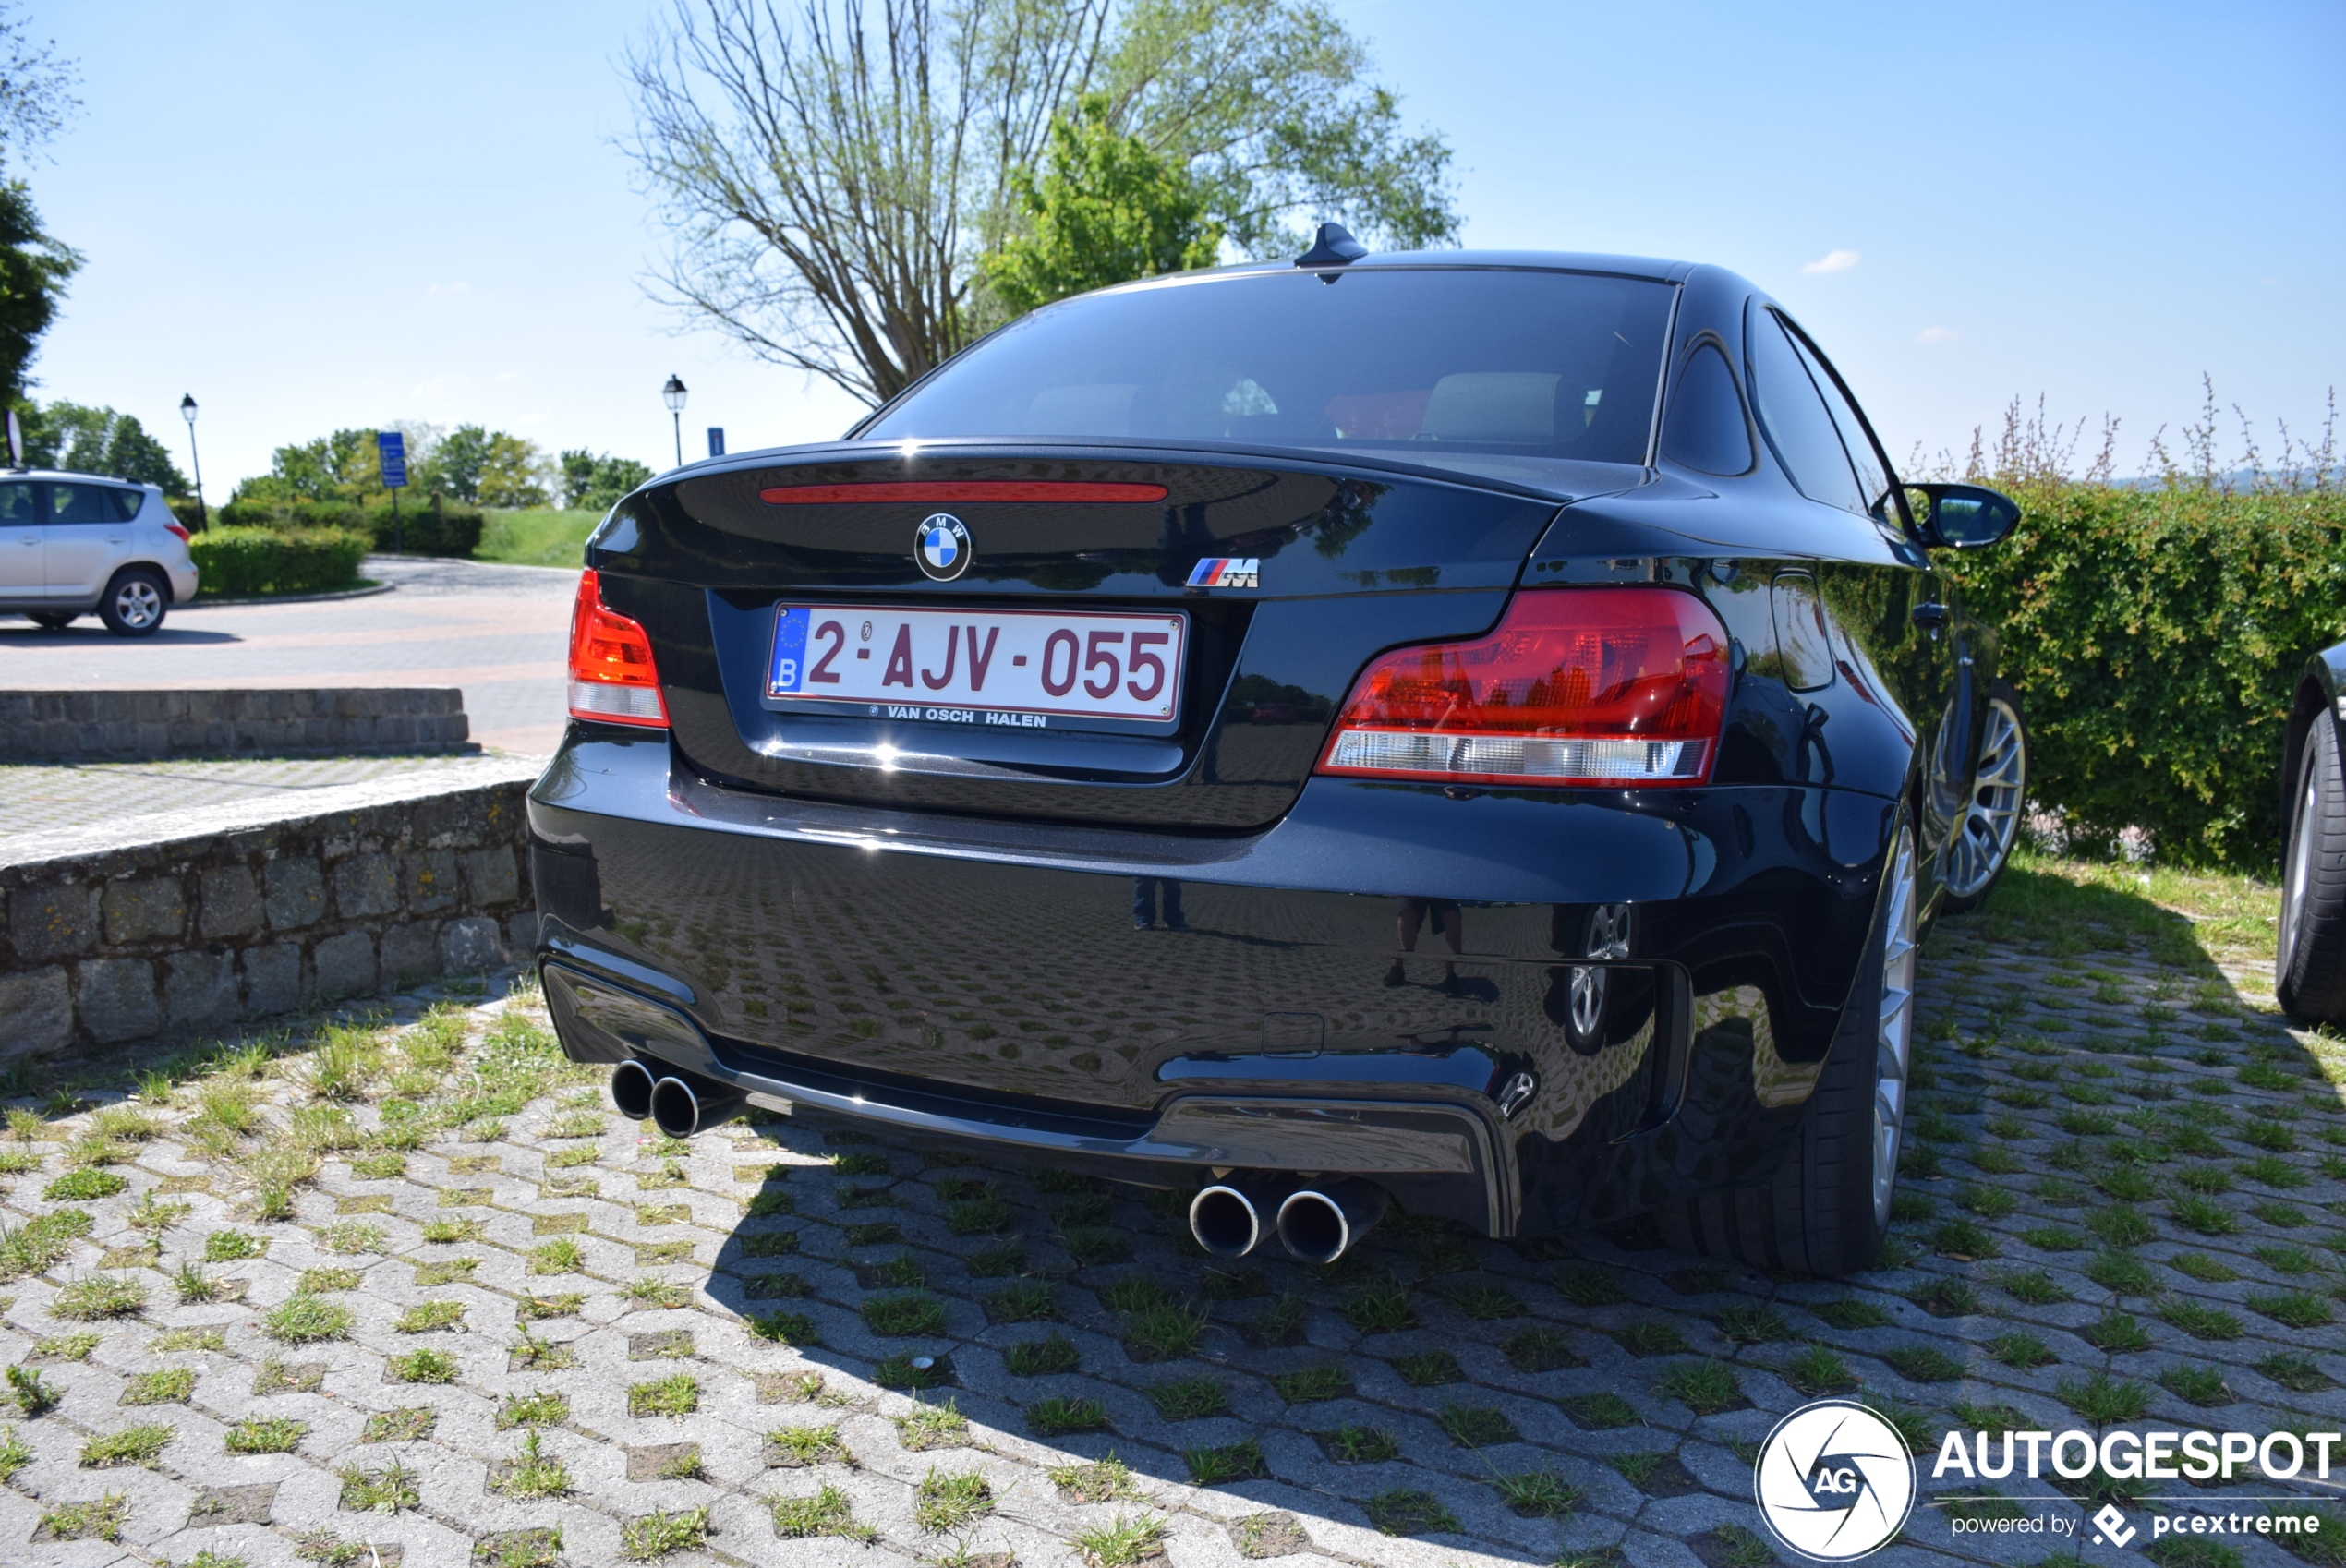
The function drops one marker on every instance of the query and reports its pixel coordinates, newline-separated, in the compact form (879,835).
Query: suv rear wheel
(134,603)
(1827,1208)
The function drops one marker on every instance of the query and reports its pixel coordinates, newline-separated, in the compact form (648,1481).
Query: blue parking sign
(392,446)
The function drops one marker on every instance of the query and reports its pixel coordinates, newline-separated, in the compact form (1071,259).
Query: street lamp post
(188,411)
(672,394)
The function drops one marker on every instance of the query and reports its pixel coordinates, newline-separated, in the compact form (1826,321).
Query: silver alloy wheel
(1894,1029)
(1982,841)
(137,605)
(2298,874)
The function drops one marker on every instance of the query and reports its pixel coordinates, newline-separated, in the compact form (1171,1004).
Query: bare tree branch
(831,171)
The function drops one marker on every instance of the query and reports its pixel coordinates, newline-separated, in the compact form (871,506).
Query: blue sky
(314,215)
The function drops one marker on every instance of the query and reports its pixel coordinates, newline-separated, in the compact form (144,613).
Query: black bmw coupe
(1475,731)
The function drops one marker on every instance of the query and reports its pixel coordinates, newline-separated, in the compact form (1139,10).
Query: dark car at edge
(1482,732)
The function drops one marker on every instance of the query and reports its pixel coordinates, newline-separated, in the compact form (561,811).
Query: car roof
(78,475)
(1501,261)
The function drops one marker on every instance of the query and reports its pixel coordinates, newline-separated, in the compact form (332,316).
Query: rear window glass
(1547,364)
(92,503)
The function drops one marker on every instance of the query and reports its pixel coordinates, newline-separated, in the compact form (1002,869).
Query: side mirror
(1965,516)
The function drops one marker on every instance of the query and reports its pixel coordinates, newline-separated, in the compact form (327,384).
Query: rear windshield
(1544,363)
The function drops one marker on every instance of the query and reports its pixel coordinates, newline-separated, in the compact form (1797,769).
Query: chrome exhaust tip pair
(678,1104)
(1317,1223)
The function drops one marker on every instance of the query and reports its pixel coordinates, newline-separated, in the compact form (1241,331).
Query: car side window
(90,504)
(1798,425)
(1704,428)
(1873,474)
(16,505)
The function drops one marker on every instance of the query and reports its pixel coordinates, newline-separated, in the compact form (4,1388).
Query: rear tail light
(612,679)
(1593,687)
(178,531)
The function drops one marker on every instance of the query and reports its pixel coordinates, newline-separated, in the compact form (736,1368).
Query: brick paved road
(497,631)
(460,1336)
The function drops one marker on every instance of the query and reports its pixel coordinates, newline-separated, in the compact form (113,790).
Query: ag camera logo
(1834,1482)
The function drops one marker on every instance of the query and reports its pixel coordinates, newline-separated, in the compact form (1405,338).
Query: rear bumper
(982,979)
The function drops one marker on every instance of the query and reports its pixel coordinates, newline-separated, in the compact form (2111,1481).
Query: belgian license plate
(1046,663)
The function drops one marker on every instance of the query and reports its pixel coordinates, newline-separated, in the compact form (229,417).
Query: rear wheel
(134,603)
(1827,1207)
(2309,971)
(1982,845)
(53,619)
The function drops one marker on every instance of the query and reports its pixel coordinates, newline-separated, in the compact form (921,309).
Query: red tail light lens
(178,530)
(1592,687)
(612,679)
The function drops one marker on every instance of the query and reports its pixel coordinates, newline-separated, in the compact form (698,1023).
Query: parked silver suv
(73,543)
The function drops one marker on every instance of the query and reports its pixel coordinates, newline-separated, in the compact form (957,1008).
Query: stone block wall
(204,933)
(37,726)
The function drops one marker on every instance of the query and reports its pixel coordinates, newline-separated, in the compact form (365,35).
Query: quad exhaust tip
(631,1091)
(1318,1224)
(1226,1220)
(678,1104)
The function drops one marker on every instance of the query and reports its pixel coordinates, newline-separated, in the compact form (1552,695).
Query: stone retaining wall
(144,722)
(239,919)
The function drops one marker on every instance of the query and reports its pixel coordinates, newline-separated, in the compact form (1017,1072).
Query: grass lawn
(2182,916)
(535,538)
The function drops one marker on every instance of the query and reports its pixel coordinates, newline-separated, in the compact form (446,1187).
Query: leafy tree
(832,177)
(510,477)
(36,88)
(594,483)
(486,468)
(1106,210)
(34,270)
(97,440)
(344,466)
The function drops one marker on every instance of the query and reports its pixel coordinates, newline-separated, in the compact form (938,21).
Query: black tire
(53,619)
(1827,1208)
(1981,846)
(2309,970)
(135,603)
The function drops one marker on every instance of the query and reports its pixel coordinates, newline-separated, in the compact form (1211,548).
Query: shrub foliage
(237,561)
(2156,637)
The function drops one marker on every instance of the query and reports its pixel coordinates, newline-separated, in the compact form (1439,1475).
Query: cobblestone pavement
(42,798)
(405,1292)
(495,631)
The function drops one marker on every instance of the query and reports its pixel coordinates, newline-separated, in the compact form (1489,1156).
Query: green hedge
(426,525)
(237,561)
(2156,638)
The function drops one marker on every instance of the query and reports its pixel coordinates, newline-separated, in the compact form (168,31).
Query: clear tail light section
(1587,687)
(612,679)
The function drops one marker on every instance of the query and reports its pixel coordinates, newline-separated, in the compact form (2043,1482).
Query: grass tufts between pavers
(659,1534)
(827,1513)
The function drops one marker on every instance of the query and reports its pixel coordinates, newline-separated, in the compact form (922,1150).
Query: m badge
(1227,571)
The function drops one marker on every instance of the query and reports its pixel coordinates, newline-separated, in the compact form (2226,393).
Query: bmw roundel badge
(942,546)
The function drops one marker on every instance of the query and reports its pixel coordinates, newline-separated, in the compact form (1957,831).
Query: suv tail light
(1594,687)
(612,679)
(178,531)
